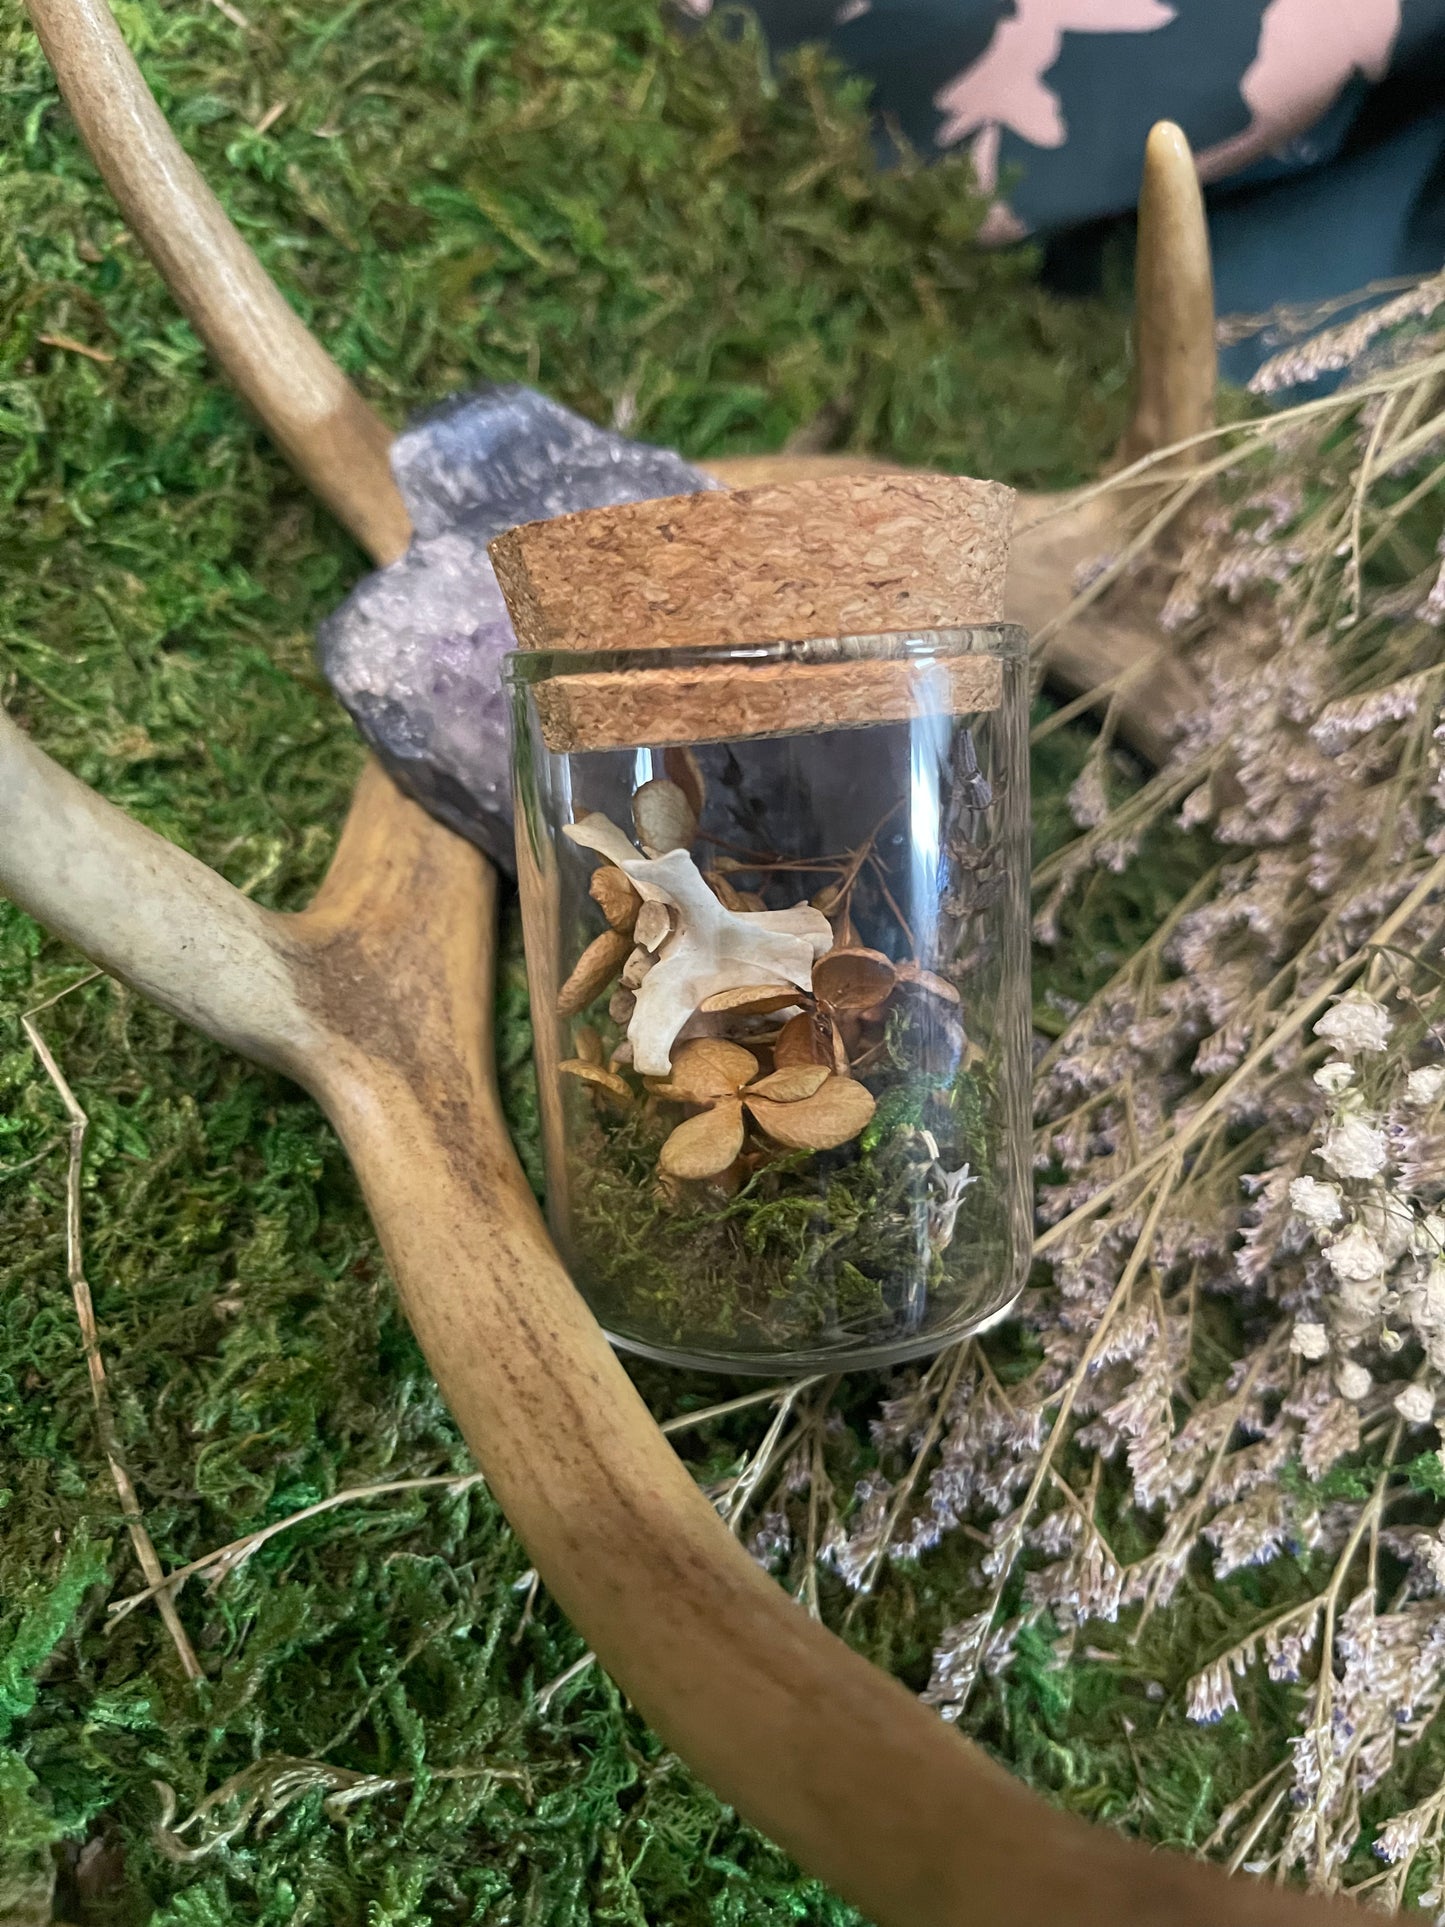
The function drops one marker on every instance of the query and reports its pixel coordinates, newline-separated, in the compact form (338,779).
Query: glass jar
(776,921)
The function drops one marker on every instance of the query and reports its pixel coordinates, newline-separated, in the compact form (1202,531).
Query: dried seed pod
(680,766)
(706,1068)
(653,925)
(853,979)
(593,972)
(664,818)
(620,1006)
(614,895)
(638,964)
(912,976)
(789,1085)
(834,1114)
(704,1145)
(600,1079)
(801,1042)
(749,1000)
(587,1044)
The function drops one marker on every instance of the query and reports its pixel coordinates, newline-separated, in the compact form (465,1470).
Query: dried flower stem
(105,1425)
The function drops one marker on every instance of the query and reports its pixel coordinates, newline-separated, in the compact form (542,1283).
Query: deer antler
(377,1000)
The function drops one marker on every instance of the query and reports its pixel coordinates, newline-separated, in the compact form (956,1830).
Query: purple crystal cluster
(415,652)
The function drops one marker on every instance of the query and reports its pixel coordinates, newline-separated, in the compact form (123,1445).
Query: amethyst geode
(415,652)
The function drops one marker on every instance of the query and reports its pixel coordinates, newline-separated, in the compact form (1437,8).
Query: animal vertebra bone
(712,950)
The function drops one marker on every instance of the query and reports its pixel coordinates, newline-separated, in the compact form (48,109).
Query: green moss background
(666,234)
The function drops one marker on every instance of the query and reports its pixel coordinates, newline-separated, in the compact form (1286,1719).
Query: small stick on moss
(140,1539)
(227,1558)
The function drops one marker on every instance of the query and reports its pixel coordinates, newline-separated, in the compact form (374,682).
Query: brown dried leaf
(706,1144)
(835,1113)
(799,1042)
(706,1068)
(614,895)
(594,971)
(665,819)
(912,976)
(839,1048)
(587,1044)
(853,979)
(621,1005)
(789,1085)
(750,1000)
(680,766)
(654,922)
(594,1074)
(727,896)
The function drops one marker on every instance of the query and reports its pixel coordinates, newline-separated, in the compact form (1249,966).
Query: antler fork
(377,1000)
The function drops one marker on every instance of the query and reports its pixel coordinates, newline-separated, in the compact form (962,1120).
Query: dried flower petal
(792,1083)
(593,972)
(603,1080)
(749,1000)
(706,1068)
(614,896)
(801,1042)
(681,766)
(727,896)
(853,979)
(834,1114)
(912,976)
(704,1145)
(664,818)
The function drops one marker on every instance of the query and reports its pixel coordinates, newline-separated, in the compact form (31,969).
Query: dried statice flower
(1294,1005)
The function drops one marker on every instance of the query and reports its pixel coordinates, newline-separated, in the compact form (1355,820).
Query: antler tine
(143,909)
(1175,363)
(334,440)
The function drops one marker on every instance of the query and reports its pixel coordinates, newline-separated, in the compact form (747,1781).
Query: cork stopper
(815,562)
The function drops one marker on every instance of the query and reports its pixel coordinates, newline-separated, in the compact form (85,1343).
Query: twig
(228,1558)
(140,1539)
(73,347)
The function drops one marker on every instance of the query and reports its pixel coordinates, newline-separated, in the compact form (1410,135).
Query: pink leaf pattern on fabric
(1308,52)
(1005,87)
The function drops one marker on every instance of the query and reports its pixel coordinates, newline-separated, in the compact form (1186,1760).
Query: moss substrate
(665,234)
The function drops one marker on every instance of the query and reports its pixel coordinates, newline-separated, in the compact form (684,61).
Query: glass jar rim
(1004,641)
